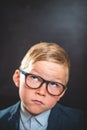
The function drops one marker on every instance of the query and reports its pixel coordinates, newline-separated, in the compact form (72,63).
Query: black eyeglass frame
(44,81)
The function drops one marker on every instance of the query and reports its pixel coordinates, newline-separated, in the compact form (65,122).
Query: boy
(42,78)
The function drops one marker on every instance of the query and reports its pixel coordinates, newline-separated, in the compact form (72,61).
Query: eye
(35,78)
(53,84)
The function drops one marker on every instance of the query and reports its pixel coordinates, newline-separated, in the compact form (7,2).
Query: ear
(16,77)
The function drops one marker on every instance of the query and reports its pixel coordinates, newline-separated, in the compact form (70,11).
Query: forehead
(46,65)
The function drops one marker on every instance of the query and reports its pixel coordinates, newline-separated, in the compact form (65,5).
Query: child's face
(39,100)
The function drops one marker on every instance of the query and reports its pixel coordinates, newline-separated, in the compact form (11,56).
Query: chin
(35,111)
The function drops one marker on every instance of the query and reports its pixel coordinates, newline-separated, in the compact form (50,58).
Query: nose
(42,90)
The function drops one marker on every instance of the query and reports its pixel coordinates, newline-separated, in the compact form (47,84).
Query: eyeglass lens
(34,82)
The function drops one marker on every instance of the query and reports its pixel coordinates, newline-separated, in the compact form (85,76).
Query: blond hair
(45,51)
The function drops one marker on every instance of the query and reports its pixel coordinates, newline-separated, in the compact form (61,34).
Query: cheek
(51,102)
(23,93)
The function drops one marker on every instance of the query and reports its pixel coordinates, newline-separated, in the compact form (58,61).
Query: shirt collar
(42,118)
(25,115)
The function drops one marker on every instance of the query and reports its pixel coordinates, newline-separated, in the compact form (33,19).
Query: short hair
(46,51)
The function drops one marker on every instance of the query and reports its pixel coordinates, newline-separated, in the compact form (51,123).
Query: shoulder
(68,114)
(68,111)
(67,118)
(9,110)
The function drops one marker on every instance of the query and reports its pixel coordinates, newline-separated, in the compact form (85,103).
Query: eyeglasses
(33,81)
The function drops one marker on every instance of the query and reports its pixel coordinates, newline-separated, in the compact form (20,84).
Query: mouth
(37,102)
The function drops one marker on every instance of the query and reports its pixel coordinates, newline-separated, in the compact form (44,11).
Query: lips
(38,102)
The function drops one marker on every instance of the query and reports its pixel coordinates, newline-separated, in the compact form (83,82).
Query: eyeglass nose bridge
(46,82)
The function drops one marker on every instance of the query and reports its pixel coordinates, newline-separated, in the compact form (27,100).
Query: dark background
(26,22)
